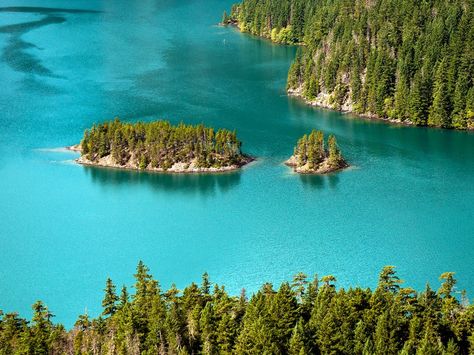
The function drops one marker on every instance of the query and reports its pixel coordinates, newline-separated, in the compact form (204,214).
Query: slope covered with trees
(300,317)
(161,146)
(402,60)
(311,156)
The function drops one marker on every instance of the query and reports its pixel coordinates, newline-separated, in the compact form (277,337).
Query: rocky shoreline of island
(322,169)
(177,168)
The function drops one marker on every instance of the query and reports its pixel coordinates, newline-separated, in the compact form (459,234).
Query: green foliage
(297,319)
(405,60)
(109,303)
(160,145)
(310,152)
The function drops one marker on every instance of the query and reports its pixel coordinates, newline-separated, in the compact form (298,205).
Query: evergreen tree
(388,279)
(109,303)
(123,296)
(298,341)
(40,329)
(301,318)
(447,287)
(439,112)
(404,60)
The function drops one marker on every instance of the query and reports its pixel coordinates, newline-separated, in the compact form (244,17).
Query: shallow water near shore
(406,201)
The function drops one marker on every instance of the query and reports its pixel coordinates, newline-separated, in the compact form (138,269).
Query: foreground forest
(301,317)
(161,146)
(403,60)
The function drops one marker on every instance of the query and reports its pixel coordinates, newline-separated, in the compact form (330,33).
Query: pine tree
(124,298)
(298,341)
(299,284)
(388,280)
(402,94)
(447,287)
(40,329)
(334,153)
(109,303)
(207,326)
(416,101)
(206,284)
(439,112)
(283,315)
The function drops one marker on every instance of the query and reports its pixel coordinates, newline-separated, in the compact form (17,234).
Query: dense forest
(402,60)
(160,145)
(305,316)
(311,155)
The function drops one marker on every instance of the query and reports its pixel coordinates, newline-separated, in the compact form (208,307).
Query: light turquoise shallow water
(64,228)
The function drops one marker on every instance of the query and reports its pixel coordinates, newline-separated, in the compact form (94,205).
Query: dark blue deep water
(408,200)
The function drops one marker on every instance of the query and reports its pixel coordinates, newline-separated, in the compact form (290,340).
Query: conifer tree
(297,341)
(388,279)
(123,296)
(323,320)
(410,61)
(299,284)
(41,328)
(439,112)
(206,284)
(448,284)
(109,303)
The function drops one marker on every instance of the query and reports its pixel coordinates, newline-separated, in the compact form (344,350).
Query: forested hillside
(300,317)
(403,60)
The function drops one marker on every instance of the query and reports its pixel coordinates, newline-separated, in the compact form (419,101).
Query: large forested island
(310,155)
(403,61)
(305,316)
(160,146)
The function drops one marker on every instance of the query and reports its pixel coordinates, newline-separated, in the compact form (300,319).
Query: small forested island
(310,155)
(305,316)
(160,146)
(409,62)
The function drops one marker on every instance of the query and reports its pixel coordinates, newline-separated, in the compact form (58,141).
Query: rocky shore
(323,100)
(178,168)
(323,168)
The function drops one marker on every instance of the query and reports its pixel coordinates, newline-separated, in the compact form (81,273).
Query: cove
(406,201)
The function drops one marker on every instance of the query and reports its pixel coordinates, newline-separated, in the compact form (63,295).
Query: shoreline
(317,103)
(177,168)
(296,93)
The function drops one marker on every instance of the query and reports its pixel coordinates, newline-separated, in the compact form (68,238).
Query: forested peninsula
(304,316)
(160,146)
(310,155)
(398,60)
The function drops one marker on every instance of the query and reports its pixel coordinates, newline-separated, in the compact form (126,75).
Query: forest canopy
(404,60)
(304,316)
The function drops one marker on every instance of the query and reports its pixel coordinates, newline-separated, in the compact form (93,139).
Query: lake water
(407,201)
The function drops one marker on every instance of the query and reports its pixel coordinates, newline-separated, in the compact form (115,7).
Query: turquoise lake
(64,228)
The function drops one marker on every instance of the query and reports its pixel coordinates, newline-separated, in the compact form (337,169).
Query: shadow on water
(46,10)
(190,184)
(15,54)
(319,182)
